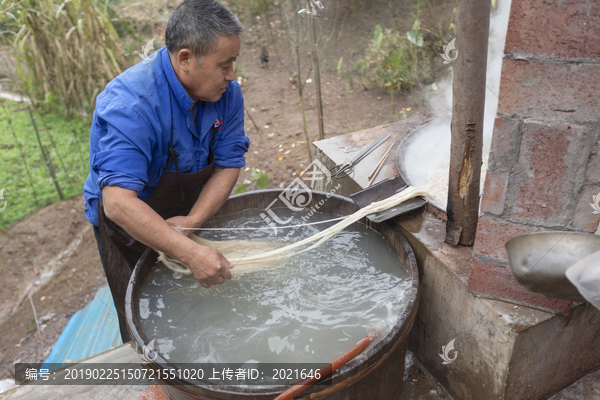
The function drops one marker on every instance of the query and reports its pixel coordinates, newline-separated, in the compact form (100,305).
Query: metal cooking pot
(539,261)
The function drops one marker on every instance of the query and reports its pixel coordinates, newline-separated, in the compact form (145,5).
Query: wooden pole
(468,100)
(297,44)
(53,142)
(23,156)
(46,159)
(315,58)
(38,328)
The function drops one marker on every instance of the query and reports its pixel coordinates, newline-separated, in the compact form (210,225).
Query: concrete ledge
(503,350)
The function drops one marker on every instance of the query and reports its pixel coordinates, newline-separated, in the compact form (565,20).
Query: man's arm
(139,220)
(211,199)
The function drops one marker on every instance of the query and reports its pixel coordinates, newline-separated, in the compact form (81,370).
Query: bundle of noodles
(436,190)
(235,251)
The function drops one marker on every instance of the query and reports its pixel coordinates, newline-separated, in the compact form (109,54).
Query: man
(166,146)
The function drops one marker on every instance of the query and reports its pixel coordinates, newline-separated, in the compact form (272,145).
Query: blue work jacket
(129,137)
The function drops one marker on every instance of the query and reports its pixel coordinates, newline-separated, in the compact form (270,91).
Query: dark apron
(175,194)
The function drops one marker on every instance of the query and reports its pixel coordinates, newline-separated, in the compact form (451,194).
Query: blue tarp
(90,331)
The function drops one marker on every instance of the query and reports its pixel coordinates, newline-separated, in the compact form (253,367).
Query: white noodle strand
(435,191)
(259,229)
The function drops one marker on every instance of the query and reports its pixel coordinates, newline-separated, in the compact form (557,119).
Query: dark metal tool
(383,190)
(348,167)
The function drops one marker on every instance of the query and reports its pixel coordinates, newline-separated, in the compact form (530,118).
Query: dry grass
(65,52)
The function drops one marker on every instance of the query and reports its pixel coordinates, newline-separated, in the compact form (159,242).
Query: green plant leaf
(263,180)
(339,65)
(259,177)
(378,36)
(49,99)
(416,25)
(241,188)
(392,60)
(415,37)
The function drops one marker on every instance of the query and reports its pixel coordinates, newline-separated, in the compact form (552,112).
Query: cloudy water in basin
(309,308)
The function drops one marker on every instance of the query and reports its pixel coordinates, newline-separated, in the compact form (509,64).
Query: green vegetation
(65,52)
(400,61)
(258,178)
(24,175)
(395,61)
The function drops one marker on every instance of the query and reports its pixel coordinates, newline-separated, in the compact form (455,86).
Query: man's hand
(123,207)
(139,220)
(208,266)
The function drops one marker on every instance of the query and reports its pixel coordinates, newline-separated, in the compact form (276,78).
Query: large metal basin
(539,261)
(377,375)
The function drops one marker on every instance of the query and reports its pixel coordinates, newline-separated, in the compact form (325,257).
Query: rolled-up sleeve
(125,150)
(232,143)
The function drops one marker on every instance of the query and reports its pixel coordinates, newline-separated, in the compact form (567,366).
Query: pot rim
(351,368)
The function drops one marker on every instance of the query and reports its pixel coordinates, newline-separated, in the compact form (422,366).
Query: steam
(498,28)
(430,149)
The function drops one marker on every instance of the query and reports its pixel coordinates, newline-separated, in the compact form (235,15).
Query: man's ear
(184,59)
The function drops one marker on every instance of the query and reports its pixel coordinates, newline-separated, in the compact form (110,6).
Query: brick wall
(544,165)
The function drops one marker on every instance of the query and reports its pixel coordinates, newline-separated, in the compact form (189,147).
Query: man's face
(207,79)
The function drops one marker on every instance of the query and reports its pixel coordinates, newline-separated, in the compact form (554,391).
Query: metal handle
(348,167)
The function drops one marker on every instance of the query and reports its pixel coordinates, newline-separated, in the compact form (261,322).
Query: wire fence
(44,158)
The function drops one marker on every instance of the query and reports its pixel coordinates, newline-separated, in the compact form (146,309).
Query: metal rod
(368,149)
(340,173)
(379,166)
(380,161)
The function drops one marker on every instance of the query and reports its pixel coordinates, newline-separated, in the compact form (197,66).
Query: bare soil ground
(421,385)
(273,102)
(278,146)
(28,249)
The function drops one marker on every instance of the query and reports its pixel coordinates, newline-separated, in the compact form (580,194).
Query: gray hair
(196,24)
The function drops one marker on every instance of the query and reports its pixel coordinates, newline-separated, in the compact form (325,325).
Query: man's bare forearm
(141,221)
(145,225)
(211,199)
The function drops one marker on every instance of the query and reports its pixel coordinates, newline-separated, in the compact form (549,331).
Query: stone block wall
(544,166)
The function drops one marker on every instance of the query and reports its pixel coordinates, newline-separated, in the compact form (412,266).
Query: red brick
(584,218)
(496,279)
(561,91)
(494,192)
(554,29)
(548,178)
(505,144)
(493,233)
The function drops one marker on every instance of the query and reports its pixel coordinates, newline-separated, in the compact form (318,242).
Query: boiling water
(309,308)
